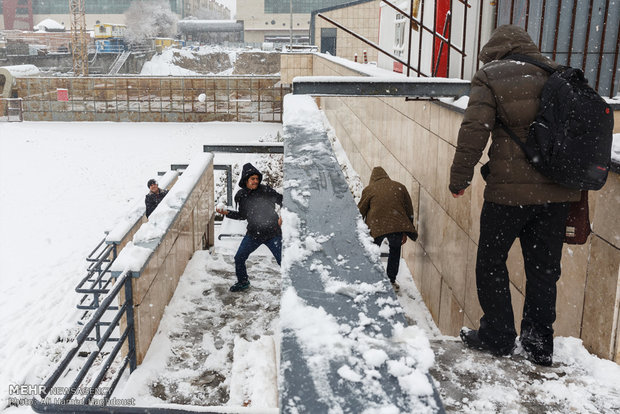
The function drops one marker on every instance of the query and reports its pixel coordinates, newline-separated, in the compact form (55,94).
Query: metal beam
(376,87)
(262,148)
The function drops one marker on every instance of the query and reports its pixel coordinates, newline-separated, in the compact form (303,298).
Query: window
(400,24)
(300,6)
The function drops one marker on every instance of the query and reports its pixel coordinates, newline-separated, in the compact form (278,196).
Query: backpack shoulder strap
(530,60)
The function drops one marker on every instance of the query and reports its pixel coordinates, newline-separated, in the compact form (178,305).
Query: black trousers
(540,229)
(395,241)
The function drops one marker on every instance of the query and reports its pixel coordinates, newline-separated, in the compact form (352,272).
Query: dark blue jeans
(395,241)
(248,245)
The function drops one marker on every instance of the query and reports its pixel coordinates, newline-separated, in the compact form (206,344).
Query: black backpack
(570,140)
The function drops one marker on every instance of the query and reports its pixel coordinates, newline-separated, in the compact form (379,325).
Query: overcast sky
(231,4)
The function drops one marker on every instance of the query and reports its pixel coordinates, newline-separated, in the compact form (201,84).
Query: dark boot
(239,286)
(471,339)
(535,353)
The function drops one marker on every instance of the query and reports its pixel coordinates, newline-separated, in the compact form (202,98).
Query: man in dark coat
(387,209)
(256,203)
(154,197)
(518,200)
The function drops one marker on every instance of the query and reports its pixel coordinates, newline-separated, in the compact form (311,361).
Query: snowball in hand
(221,206)
(202,97)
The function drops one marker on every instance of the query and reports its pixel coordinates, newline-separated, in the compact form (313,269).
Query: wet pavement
(471,381)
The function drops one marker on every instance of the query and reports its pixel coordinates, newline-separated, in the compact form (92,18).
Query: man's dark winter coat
(258,206)
(386,206)
(508,90)
(152,200)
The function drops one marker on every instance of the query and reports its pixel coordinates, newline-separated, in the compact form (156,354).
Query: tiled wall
(362,19)
(415,142)
(152,290)
(295,64)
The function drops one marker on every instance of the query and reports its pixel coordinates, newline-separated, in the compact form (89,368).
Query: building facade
(270,20)
(361,17)
(112,11)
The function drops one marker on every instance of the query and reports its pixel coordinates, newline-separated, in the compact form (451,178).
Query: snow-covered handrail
(345,344)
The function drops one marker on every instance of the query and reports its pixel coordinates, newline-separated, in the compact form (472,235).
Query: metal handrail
(101,259)
(128,336)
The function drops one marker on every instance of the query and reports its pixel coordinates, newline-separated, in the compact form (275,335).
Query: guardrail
(95,284)
(69,397)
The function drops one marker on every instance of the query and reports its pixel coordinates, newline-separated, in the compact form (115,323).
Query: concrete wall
(415,142)
(362,19)
(155,285)
(153,99)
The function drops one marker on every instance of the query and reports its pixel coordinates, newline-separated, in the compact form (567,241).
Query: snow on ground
(61,186)
(214,347)
(164,64)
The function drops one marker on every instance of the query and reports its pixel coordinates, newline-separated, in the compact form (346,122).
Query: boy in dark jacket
(153,198)
(257,204)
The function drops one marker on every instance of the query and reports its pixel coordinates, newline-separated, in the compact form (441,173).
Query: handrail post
(131,337)
(229,188)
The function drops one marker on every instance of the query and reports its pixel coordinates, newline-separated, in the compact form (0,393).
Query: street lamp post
(291,11)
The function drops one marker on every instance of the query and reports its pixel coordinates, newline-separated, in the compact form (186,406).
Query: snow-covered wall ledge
(345,345)
(124,230)
(156,257)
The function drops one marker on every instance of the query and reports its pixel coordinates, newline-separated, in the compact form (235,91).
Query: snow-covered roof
(21,70)
(47,25)
(209,25)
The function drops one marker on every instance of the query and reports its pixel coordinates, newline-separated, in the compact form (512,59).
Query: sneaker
(536,356)
(239,286)
(395,286)
(471,339)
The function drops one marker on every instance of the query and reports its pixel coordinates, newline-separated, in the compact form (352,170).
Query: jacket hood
(248,171)
(507,40)
(378,173)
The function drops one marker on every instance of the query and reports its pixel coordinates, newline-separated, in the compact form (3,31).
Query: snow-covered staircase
(219,345)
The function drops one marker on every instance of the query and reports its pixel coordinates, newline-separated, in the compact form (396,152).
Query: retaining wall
(152,99)
(157,263)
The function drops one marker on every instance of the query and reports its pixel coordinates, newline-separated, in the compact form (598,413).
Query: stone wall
(415,141)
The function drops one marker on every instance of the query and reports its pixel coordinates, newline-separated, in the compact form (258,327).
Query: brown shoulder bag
(578,221)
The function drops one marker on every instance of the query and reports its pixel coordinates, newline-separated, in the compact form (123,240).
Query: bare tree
(149,18)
